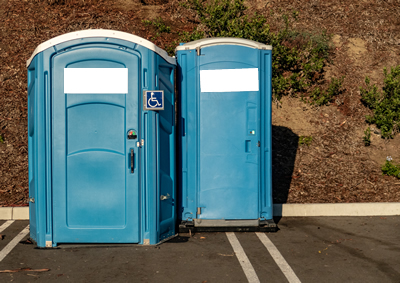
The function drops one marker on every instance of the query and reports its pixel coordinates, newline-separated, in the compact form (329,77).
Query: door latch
(140,144)
(258,144)
(162,197)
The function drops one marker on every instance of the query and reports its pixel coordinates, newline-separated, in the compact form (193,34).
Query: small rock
(376,131)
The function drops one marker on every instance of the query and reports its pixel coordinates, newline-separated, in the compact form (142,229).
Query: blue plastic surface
(224,137)
(80,157)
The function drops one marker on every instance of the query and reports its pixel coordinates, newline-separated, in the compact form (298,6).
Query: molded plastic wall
(154,161)
(224,132)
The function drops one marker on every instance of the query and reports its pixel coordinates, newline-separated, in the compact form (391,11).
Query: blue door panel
(229,202)
(95,127)
(234,55)
(95,194)
(89,62)
(96,190)
(229,153)
(228,181)
(87,98)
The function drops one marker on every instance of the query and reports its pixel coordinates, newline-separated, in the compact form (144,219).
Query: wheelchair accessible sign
(153,100)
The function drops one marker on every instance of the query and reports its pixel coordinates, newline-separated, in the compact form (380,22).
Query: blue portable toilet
(101,140)
(224,87)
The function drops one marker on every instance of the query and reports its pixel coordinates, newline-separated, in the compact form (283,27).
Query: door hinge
(32,200)
(198,210)
(258,144)
(198,51)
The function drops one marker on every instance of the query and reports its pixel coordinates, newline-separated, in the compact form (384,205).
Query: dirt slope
(335,167)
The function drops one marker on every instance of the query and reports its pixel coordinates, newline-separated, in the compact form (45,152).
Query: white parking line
(6,225)
(280,261)
(7,249)
(243,259)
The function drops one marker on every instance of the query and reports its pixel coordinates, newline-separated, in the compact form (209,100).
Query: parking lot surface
(305,249)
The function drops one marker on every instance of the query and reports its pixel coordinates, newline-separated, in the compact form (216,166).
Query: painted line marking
(243,259)
(7,249)
(280,261)
(6,225)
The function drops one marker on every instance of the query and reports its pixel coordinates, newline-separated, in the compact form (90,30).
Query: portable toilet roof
(101,33)
(223,41)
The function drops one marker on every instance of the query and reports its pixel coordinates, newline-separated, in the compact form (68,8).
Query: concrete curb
(14,213)
(283,210)
(337,209)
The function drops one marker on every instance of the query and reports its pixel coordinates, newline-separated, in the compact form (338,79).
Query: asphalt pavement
(305,249)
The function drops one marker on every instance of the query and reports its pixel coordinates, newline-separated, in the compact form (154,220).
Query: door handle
(132,159)
(247,146)
(162,197)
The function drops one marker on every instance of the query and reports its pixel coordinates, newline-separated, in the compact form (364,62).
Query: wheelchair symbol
(153,102)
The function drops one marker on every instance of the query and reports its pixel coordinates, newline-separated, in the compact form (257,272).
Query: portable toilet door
(96,174)
(224,87)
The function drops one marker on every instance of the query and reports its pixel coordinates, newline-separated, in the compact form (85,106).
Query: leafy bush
(322,97)
(385,104)
(367,137)
(158,24)
(226,18)
(298,58)
(1,139)
(306,140)
(391,169)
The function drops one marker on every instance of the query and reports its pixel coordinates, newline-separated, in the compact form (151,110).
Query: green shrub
(159,24)
(298,58)
(323,97)
(367,137)
(385,104)
(306,140)
(226,18)
(1,139)
(390,169)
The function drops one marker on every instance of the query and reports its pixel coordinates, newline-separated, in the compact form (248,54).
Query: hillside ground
(335,167)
